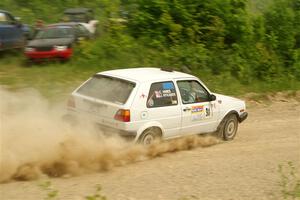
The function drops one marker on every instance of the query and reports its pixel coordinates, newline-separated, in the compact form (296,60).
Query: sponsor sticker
(168,86)
(200,112)
(207,112)
(158,94)
(197,109)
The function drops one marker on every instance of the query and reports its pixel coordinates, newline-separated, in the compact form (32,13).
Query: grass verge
(56,80)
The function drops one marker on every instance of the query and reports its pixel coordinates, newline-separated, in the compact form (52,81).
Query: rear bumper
(49,54)
(243,116)
(74,120)
(108,131)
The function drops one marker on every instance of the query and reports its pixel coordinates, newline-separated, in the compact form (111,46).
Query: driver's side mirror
(212,97)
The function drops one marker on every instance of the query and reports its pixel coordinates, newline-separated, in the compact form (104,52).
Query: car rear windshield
(107,88)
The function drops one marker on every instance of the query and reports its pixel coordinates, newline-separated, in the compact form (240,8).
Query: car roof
(77,10)
(63,24)
(145,74)
(4,11)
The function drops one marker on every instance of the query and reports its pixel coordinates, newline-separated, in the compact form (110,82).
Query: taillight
(123,115)
(71,102)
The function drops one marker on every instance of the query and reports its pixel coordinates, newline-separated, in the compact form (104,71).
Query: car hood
(226,98)
(50,42)
(230,103)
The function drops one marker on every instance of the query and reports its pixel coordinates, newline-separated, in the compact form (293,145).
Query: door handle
(186,109)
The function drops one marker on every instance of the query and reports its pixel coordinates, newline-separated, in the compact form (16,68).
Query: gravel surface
(245,168)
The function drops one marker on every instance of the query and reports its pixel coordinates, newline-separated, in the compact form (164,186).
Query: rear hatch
(102,97)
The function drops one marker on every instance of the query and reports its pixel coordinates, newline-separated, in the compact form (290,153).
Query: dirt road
(246,168)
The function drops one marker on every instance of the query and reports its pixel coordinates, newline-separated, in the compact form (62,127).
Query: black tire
(150,136)
(228,128)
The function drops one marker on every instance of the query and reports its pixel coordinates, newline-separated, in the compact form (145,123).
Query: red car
(56,41)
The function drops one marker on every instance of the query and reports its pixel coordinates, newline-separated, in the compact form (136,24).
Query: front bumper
(49,54)
(243,116)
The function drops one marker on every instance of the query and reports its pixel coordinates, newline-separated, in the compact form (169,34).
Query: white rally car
(146,104)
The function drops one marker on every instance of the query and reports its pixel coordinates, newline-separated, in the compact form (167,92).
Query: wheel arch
(150,125)
(234,112)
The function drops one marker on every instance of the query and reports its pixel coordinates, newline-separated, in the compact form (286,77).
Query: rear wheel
(150,136)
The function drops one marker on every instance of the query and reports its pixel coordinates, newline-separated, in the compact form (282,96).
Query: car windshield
(56,32)
(2,18)
(107,88)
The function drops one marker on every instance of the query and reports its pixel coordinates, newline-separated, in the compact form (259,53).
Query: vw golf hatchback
(147,104)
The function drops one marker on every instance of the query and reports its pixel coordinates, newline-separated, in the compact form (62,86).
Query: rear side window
(162,94)
(81,31)
(107,88)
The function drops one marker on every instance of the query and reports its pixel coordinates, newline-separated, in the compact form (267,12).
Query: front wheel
(229,128)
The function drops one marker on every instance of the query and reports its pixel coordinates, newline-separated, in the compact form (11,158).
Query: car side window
(191,91)
(81,31)
(10,19)
(162,94)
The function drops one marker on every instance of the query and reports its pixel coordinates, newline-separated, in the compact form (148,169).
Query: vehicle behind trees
(12,31)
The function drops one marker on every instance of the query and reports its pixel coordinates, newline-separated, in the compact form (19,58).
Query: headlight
(29,49)
(60,48)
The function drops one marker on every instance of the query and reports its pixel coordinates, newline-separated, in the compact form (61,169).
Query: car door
(13,34)
(18,38)
(199,113)
(4,31)
(163,107)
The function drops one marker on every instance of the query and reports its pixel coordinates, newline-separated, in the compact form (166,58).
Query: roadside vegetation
(52,194)
(289,181)
(235,46)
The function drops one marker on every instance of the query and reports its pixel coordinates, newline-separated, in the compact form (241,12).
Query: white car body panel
(173,121)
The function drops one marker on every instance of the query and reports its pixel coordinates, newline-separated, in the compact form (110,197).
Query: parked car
(56,41)
(150,103)
(12,32)
(85,16)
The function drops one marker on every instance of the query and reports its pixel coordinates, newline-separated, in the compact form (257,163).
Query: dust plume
(35,142)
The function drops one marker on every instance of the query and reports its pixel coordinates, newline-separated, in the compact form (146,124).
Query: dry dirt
(245,168)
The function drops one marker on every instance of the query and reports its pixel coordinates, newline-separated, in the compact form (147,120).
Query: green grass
(50,79)
(289,181)
(52,193)
(56,80)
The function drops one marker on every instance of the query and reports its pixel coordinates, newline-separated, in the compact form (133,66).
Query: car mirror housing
(212,97)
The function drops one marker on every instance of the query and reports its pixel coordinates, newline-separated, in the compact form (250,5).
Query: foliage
(51,193)
(247,40)
(289,181)
(97,195)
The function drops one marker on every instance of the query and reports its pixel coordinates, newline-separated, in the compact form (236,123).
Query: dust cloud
(35,142)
